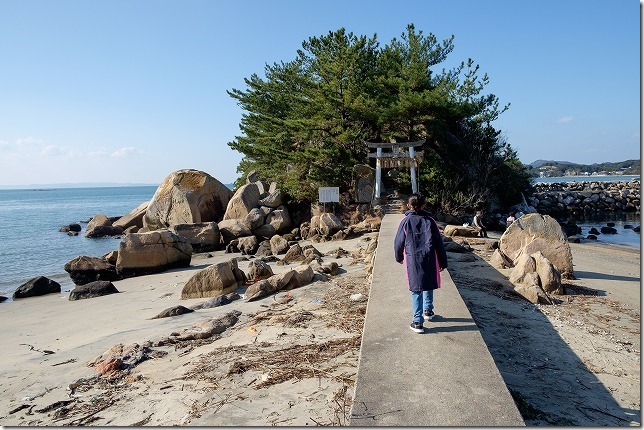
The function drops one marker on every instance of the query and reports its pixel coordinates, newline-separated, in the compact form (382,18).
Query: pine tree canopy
(305,123)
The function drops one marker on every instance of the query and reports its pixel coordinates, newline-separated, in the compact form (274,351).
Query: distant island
(549,168)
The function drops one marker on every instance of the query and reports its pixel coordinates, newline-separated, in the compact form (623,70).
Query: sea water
(624,236)
(31,243)
(623,224)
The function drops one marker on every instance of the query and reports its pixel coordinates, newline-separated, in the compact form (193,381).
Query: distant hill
(549,168)
(539,163)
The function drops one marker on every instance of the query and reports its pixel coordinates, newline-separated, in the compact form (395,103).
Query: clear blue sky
(130,91)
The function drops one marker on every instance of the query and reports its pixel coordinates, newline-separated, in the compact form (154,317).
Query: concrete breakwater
(585,198)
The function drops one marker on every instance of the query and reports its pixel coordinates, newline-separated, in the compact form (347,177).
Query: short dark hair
(416,201)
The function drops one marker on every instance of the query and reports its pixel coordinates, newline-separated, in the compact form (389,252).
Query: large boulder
(294,254)
(524,265)
(258,270)
(264,249)
(173,311)
(98,220)
(252,176)
(498,261)
(265,232)
(310,250)
(535,232)
(248,245)
(274,199)
(279,245)
(38,286)
(111,257)
(84,269)
(459,230)
(104,230)
(152,252)
(330,268)
(133,218)
(329,224)
(368,225)
(269,286)
(243,201)
(100,226)
(279,219)
(215,280)
(75,227)
(549,276)
(203,236)
(534,277)
(533,293)
(608,230)
(303,274)
(92,289)
(186,197)
(214,302)
(232,229)
(281,280)
(254,219)
(259,289)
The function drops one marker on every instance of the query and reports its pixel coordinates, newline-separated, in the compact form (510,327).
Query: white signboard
(329,194)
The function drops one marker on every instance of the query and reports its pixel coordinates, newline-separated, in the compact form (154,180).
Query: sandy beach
(290,359)
(574,363)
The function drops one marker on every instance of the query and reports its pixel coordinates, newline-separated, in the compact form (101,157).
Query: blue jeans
(421,301)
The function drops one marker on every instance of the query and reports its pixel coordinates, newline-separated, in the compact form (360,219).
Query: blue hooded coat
(418,243)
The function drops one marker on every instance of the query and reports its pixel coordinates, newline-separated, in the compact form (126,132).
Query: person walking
(418,245)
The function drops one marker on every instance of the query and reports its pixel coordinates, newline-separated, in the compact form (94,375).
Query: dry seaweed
(282,364)
(346,314)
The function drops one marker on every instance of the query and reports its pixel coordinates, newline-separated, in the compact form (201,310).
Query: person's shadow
(434,325)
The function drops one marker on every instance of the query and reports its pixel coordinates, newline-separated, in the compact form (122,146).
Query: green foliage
(306,122)
(477,170)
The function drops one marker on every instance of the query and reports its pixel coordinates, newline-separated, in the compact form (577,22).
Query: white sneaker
(417,327)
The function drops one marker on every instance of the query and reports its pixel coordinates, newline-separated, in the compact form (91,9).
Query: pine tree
(306,122)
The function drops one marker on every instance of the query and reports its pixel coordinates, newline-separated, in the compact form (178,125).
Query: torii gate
(397,157)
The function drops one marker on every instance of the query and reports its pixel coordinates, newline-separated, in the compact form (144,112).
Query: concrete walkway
(443,377)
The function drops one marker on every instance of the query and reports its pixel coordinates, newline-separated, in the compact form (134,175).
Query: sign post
(328,195)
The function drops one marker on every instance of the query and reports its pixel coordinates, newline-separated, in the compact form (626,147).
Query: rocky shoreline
(585,198)
(191,212)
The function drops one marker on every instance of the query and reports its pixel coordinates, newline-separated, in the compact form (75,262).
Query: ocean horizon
(84,185)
